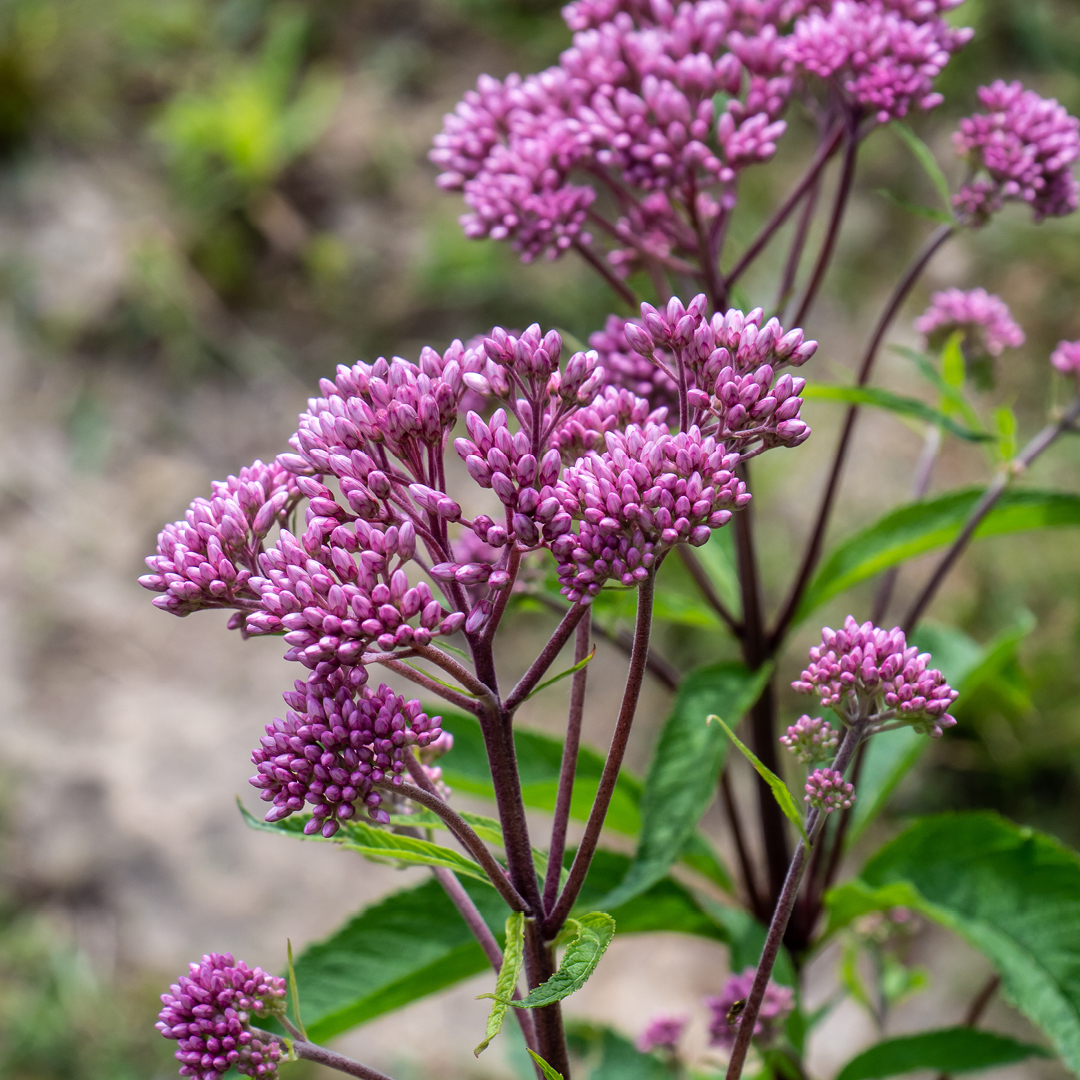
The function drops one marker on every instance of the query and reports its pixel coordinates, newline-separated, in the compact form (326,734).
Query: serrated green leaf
(685,769)
(922,526)
(927,212)
(780,790)
(1010,892)
(545,1068)
(379,845)
(926,159)
(506,983)
(593,934)
(895,403)
(949,1050)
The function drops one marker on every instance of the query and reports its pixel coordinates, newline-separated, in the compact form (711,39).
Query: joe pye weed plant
(363,546)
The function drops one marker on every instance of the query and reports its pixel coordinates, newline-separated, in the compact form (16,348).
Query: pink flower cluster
(334,748)
(775,1009)
(827,790)
(811,740)
(1066,357)
(984,318)
(209,1013)
(866,673)
(1022,148)
(663,1033)
(663,106)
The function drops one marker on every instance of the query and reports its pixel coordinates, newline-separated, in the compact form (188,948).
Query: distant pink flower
(1066,357)
(811,740)
(775,1007)
(827,790)
(663,1033)
(987,323)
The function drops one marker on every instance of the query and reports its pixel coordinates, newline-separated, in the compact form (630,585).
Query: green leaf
(1005,422)
(685,769)
(379,845)
(887,759)
(294,994)
(545,1068)
(927,160)
(922,526)
(953,365)
(1010,892)
(952,397)
(506,983)
(592,935)
(950,1050)
(563,674)
(895,403)
(486,828)
(780,790)
(616,1056)
(917,209)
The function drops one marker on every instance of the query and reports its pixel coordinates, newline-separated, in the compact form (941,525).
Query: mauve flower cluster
(209,1012)
(866,673)
(664,105)
(662,1033)
(811,740)
(1021,148)
(827,790)
(1066,357)
(626,368)
(984,318)
(775,1008)
(332,749)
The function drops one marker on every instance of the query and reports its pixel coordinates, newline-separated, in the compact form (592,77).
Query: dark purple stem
(983,507)
(798,245)
(706,588)
(333,1060)
(529,681)
(817,536)
(824,152)
(583,859)
(568,768)
(782,915)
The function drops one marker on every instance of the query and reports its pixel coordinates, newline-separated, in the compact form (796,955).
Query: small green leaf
(486,828)
(294,994)
(563,674)
(927,160)
(780,790)
(594,932)
(685,768)
(953,366)
(379,845)
(545,1068)
(950,1050)
(895,403)
(513,954)
(927,212)
(1005,422)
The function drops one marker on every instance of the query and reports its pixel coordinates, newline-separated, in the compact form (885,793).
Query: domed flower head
(811,740)
(209,1013)
(827,790)
(1021,149)
(866,673)
(662,1033)
(1066,357)
(330,751)
(727,1010)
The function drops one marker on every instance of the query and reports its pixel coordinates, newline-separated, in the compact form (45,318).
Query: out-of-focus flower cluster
(811,740)
(209,1011)
(1066,357)
(662,106)
(363,567)
(1021,148)
(827,790)
(985,320)
(866,673)
(662,1033)
(726,1010)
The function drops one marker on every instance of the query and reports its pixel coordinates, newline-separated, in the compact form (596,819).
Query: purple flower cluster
(811,740)
(330,750)
(866,673)
(209,1012)
(662,1033)
(207,560)
(1022,148)
(626,368)
(1066,357)
(985,319)
(775,1008)
(827,790)
(664,105)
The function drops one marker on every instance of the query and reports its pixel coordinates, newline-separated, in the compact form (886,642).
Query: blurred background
(204,206)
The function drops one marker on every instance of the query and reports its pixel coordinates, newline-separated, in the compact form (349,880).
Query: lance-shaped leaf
(923,526)
(563,674)
(379,845)
(894,403)
(950,1050)
(506,983)
(545,1068)
(781,792)
(926,159)
(917,209)
(1010,892)
(685,768)
(592,934)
